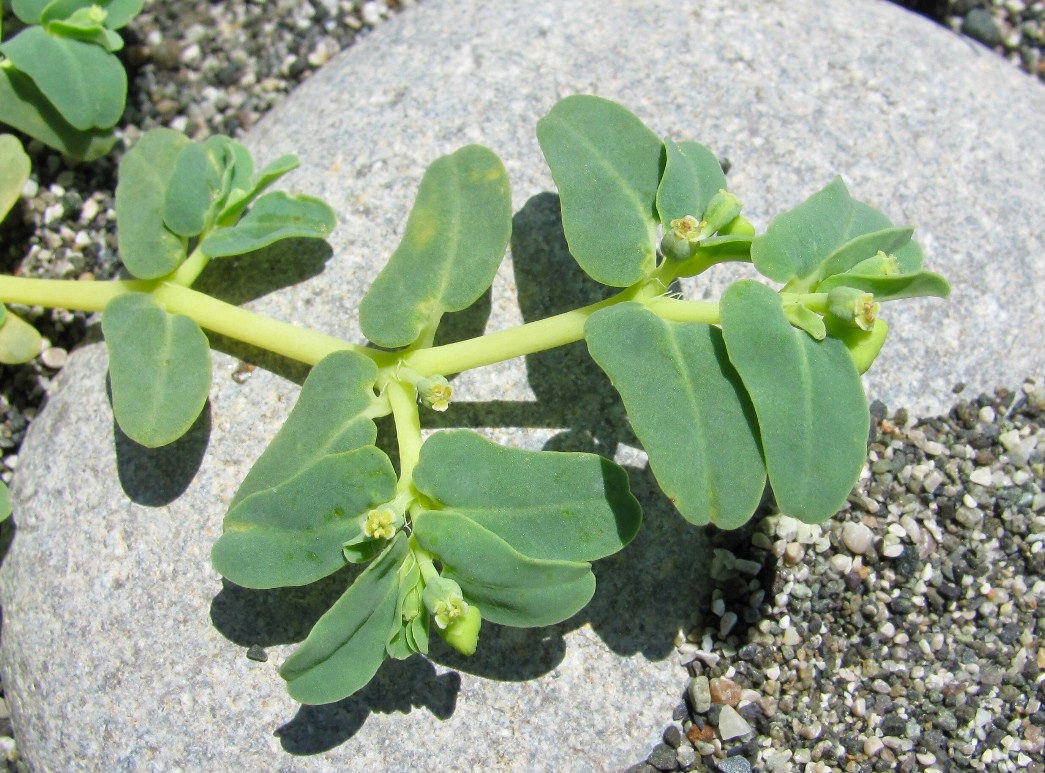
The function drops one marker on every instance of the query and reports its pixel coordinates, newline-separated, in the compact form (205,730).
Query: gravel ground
(911,639)
(904,634)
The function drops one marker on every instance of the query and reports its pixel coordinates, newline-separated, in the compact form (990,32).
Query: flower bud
(463,633)
(853,307)
(435,392)
(723,208)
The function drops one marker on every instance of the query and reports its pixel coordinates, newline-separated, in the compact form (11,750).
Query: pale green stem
(403,400)
(67,294)
(189,271)
(298,343)
(519,341)
(813,301)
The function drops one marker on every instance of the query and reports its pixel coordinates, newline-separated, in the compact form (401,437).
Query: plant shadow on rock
(157,476)
(637,608)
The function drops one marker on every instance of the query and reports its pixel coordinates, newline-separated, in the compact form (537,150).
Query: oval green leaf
(455,238)
(292,534)
(334,413)
(607,167)
(548,505)
(688,408)
(864,246)
(19,341)
(195,187)
(86,83)
(811,408)
(347,645)
(273,217)
(159,369)
(147,247)
(892,288)
(25,108)
(692,175)
(14,171)
(508,587)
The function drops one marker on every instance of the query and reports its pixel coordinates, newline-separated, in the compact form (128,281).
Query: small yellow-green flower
(435,392)
(381,523)
(446,612)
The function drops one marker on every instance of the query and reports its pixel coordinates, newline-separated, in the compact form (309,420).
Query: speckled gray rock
(123,651)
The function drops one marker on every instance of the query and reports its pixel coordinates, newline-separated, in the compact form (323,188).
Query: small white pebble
(841,563)
(793,553)
(857,537)
(54,357)
(981,476)
(873,745)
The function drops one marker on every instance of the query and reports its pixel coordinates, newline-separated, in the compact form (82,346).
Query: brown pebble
(725,691)
(705,734)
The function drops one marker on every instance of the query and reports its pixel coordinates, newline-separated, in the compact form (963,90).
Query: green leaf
(19,341)
(148,248)
(692,175)
(688,409)
(159,369)
(14,172)
(84,82)
(812,413)
(245,192)
(117,12)
(827,233)
(455,238)
(334,413)
(347,644)
(548,505)
(195,187)
(508,587)
(5,502)
(891,288)
(273,217)
(25,108)
(292,534)
(797,241)
(88,25)
(862,247)
(606,165)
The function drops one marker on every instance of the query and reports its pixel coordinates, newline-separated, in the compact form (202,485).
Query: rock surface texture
(122,649)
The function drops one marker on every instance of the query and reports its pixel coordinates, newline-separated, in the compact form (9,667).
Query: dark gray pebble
(663,757)
(672,736)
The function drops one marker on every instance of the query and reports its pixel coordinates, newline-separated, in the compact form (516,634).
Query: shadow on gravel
(645,594)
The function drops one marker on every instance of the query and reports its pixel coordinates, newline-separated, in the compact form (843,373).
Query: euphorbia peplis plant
(763,384)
